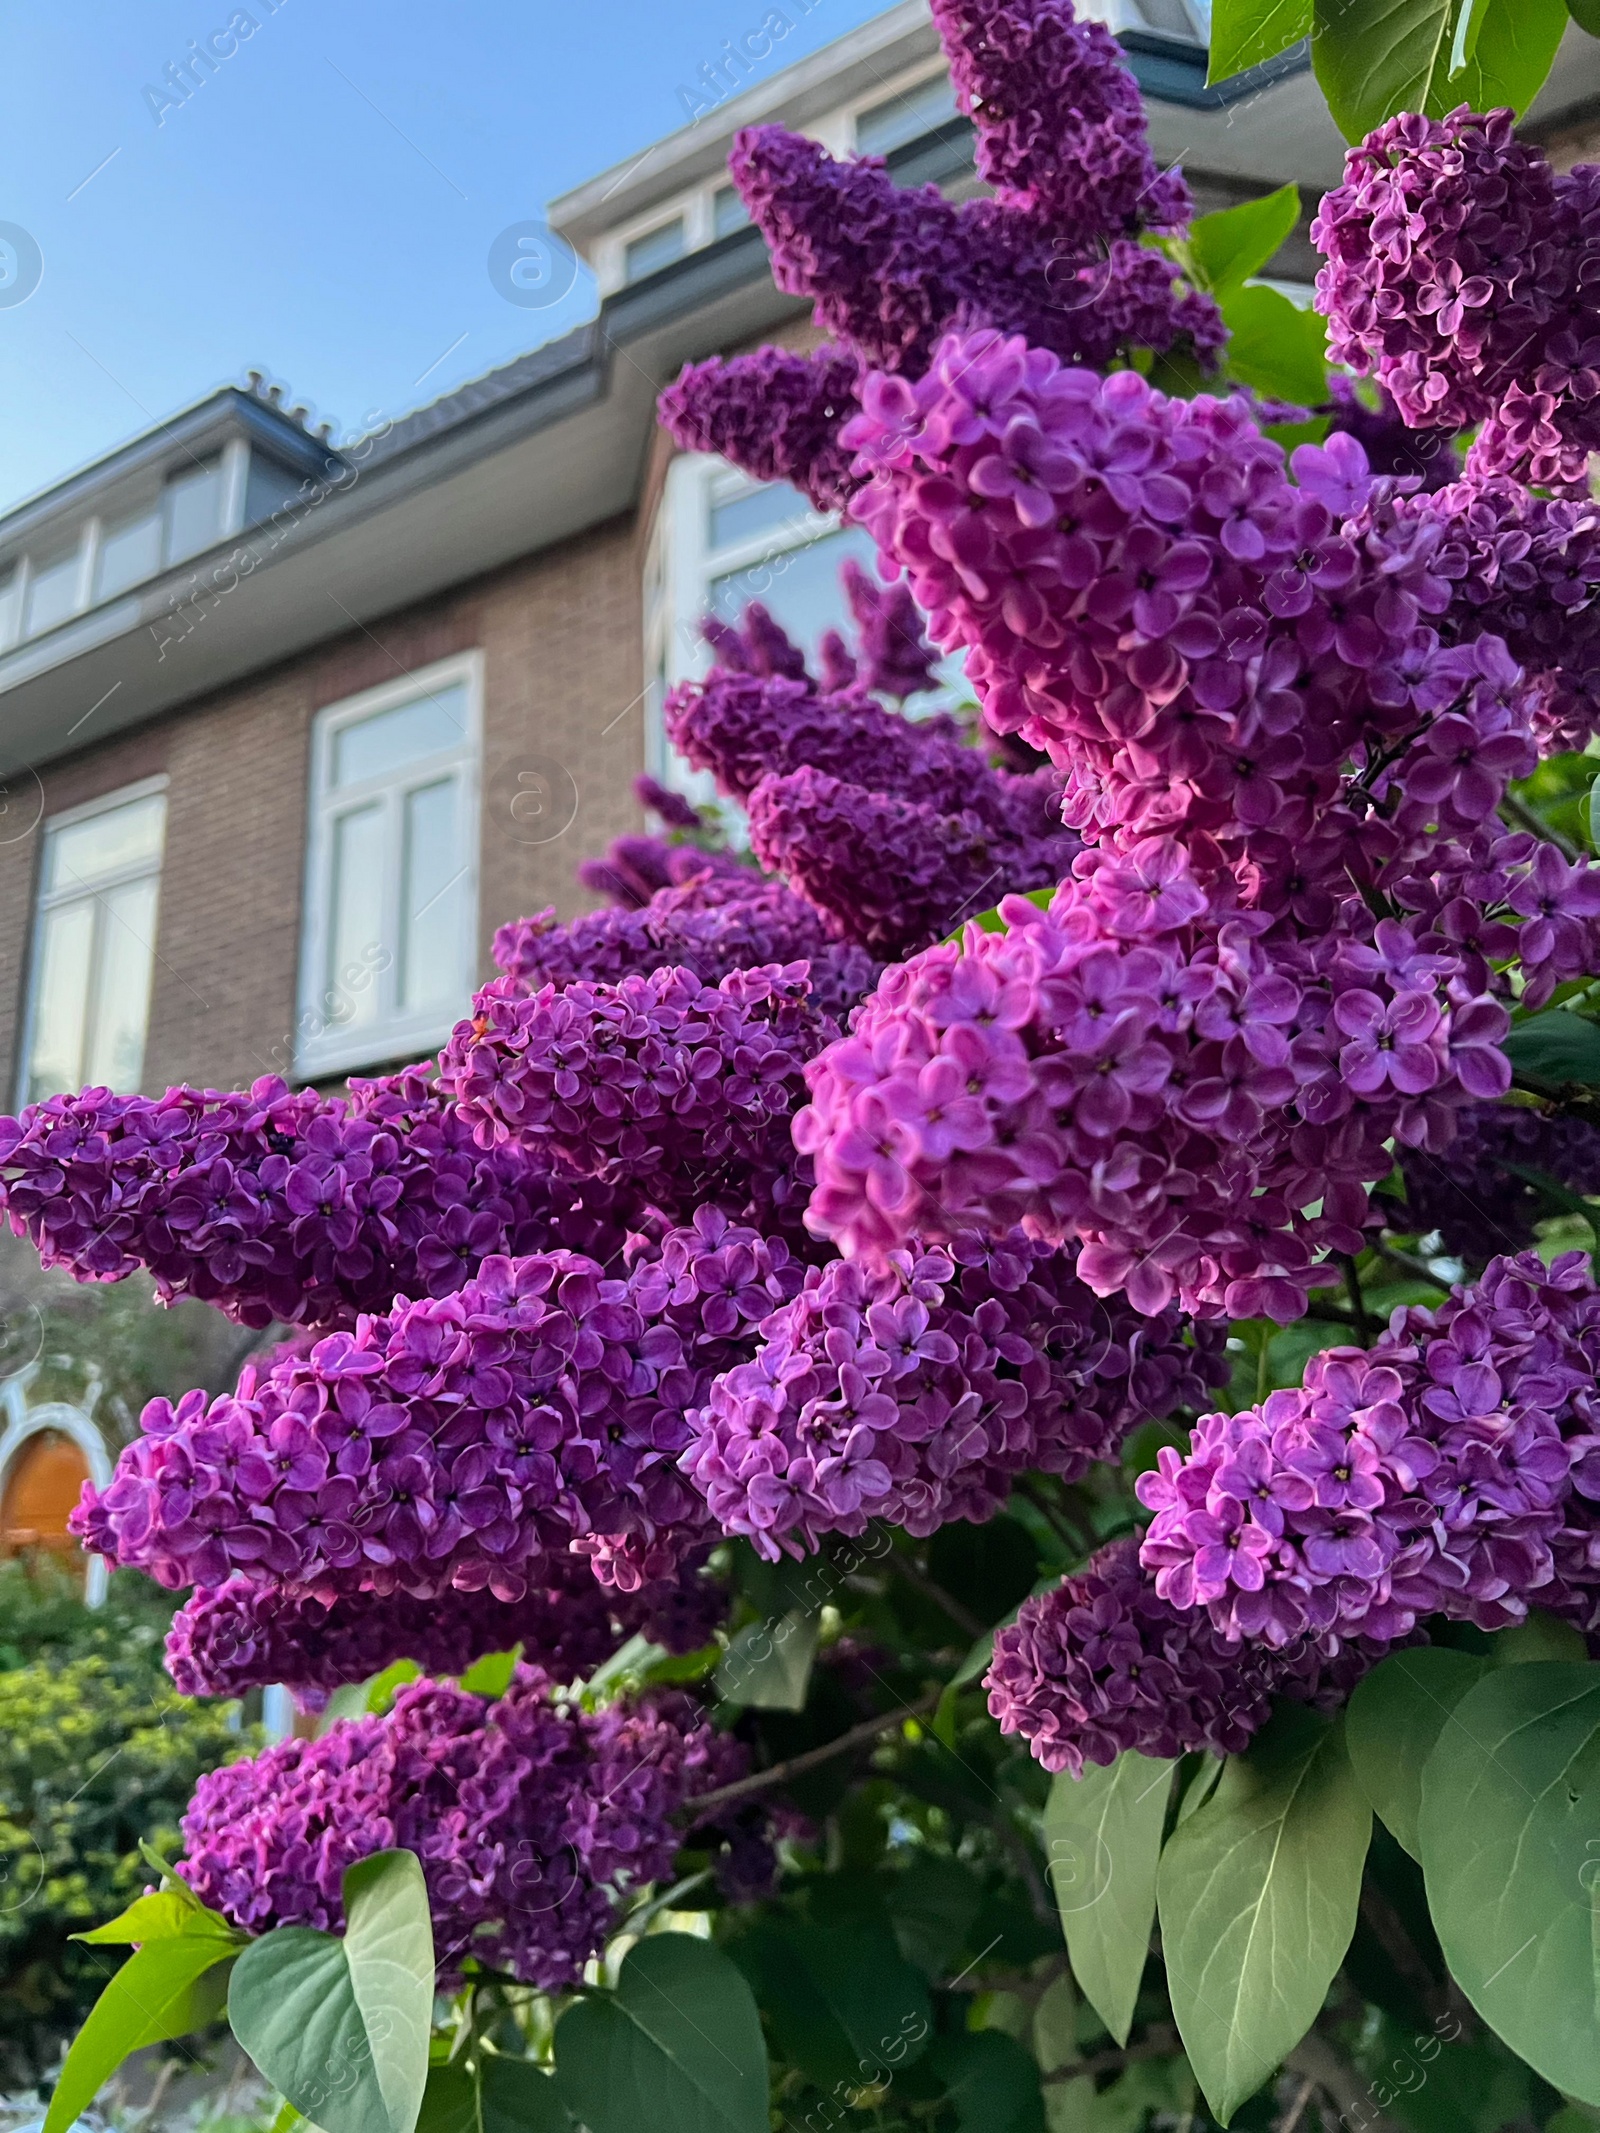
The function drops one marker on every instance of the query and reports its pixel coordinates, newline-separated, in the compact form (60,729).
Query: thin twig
(1358,1302)
(1409,1263)
(1325,2067)
(1297,2108)
(946,1602)
(795,1765)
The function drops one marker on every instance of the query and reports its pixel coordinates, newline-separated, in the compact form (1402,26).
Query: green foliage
(95,1754)
(1555,1050)
(1376,57)
(1258,1894)
(833,1996)
(1274,346)
(1510,1842)
(43,1616)
(1222,250)
(1103,1835)
(174,1983)
(1246,32)
(1396,1719)
(676,2047)
(341,2026)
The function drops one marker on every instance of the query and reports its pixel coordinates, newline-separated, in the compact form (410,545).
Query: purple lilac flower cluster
(1060,125)
(1053,256)
(892,656)
(1144,593)
(459,1442)
(282,1204)
(1464,274)
(917,1390)
(1104,1664)
(241,1635)
(1476,1195)
(773,412)
(530,1818)
(1451,1469)
(710,924)
(890,874)
(680,1089)
(1525,568)
(1140,1068)
(893,831)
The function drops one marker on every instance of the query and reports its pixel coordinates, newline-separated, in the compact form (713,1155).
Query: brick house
(288,727)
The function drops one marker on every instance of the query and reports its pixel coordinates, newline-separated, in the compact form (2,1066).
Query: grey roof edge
(226,409)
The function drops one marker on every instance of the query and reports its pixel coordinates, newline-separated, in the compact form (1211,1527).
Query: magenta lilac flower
(774,413)
(279,1204)
(1061,128)
(530,1819)
(1104,1664)
(915,1392)
(681,1089)
(1139,1069)
(243,1634)
(1462,273)
(1430,1474)
(896,659)
(457,1443)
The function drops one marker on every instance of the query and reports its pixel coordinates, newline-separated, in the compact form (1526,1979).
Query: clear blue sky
(322,207)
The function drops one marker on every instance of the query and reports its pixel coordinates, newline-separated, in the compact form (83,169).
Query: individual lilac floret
(530,1819)
(1428,1475)
(1426,458)
(682,1089)
(459,1443)
(917,1391)
(280,1204)
(242,1635)
(672,808)
(1103,1664)
(1061,126)
(774,413)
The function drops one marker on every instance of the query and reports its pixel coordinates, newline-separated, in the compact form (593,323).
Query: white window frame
(47,900)
(323,1047)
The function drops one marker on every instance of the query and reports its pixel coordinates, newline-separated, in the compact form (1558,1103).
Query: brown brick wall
(561,637)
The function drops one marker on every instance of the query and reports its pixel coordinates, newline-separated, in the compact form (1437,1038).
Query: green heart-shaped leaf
(1510,1837)
(341,2027)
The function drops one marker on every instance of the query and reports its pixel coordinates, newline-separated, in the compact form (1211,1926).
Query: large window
(392,877)
(94,944)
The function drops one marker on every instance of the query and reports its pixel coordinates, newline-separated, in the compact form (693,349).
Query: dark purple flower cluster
(1104,1664)
(1144,593)
(680,1090)
(1464,274)
(1062,133)
(282,1204)
(1435,1473)
(891,874)
(711,924)
(890,268)
(1476,1193)
(774,413)
(241,1635)
(892,655)
(916,1391)
(1525,568)
(530,1819)
(460,1442)
(1141,1069)
(1061,129)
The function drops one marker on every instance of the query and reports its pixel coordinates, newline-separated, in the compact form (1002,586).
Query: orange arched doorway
(42,1486)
